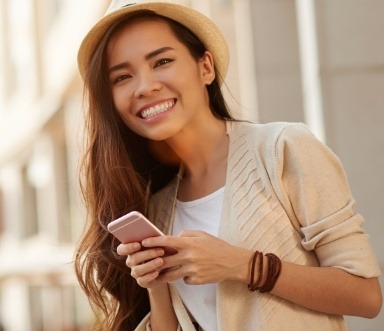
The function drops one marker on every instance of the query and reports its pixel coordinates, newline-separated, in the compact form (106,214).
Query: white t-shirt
(201,214)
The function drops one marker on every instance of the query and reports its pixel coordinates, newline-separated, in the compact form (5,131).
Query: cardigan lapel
(247,202)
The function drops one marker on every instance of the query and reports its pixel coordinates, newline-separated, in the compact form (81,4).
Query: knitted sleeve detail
(315,186)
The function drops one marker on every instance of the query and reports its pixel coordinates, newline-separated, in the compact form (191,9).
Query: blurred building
(316,61)
(40,207)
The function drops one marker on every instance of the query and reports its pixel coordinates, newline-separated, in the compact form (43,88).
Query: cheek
(122,101)
(123,104)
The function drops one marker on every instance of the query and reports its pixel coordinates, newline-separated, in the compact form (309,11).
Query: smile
(156,110)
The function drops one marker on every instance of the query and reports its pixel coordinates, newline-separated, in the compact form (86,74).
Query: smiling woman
(162,142)
(151,96)
(140,85)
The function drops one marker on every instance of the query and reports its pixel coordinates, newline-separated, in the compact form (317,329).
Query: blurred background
(315,61)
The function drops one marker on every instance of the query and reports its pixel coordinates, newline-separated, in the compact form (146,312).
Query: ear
(207,68)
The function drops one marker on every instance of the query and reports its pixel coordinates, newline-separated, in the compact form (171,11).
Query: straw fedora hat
(199,24)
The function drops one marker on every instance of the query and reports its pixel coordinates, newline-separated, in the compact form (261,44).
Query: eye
(120,78)
(162,62)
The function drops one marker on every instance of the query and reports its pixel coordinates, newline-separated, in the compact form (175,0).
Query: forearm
(163,316)
(325,289)
(329,290)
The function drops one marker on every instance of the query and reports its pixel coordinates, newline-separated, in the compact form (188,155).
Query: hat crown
(118,4)
(204,29)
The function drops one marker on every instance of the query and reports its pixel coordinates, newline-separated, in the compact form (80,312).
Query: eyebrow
(147,57)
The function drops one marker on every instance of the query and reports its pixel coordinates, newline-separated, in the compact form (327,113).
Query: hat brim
(199,24)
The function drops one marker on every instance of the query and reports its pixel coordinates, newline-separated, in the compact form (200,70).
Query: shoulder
(269,130)
(270,135)
(282,147)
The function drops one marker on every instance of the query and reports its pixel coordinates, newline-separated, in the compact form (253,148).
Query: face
(158,88)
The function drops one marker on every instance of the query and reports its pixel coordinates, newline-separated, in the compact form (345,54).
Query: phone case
(135,227)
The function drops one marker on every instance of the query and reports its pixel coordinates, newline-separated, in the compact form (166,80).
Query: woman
(261,215)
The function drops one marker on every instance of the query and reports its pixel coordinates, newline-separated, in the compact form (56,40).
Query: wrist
(158,289)
(241,270)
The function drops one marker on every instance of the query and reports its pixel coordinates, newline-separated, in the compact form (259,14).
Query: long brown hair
(118,174)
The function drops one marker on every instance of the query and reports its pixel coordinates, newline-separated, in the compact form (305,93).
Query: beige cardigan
(285,193)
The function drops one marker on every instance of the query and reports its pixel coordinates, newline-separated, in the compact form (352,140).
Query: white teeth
(153,111)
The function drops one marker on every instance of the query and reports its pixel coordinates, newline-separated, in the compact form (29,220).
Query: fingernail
(160,251)
(136,246)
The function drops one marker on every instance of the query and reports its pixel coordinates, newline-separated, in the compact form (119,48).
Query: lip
(153,104)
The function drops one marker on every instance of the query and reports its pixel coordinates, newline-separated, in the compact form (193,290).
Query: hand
(202,258)
(144,264)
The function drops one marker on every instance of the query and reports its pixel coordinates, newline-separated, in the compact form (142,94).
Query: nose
(147,83)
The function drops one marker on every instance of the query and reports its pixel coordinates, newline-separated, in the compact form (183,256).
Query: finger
(146,268)
(164,241)
(187,280)
(171,274)
(142,256)
(146,280)
(175,260)
(126,249)
(175,242)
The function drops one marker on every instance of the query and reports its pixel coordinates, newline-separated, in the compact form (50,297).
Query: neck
(201,149)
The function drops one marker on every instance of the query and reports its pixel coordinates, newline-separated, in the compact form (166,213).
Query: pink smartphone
(135,227)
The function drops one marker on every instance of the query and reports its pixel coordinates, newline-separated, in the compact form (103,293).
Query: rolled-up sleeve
(316,188)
